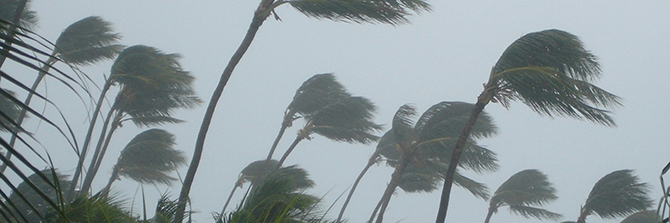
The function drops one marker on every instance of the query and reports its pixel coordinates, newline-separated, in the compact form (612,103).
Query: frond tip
(359,11)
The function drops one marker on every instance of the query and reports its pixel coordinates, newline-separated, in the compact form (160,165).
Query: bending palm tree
(315,93)
(424,148)
(373,11)
(551,72)
(643,217)
(347,120)
(148,158)
(521,193)
(616,195)
(153,85)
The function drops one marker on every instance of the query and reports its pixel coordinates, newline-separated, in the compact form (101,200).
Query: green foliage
(28,18)
(150,157)
(347,120)
(101,209)
(370,11)
(617,194)
(88,41)
(22,201)
(523,192)
(10,111)
(643,217)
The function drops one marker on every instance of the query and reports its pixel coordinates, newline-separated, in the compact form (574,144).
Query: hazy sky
(443,55)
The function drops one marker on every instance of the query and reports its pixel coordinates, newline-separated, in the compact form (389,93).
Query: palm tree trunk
(26,102)
(115,175)
(373,159)
(88,180)
(492,209)
(87,139)
(374,212)
(393,184)
(223,210)
(288,152)
(482,101)
(260,15)
(284,125)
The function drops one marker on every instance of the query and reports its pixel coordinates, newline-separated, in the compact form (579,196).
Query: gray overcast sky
(444,55)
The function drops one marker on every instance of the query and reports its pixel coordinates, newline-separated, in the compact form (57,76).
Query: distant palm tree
(255,171)
(347,120)
(24,205)
(315,93)
(148,158)
(425,147)
(617,194)
(152,86)
(551,72)
(373,11)
(649,216)
(523,193)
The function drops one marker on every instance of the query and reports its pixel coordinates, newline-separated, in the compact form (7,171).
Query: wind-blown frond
(27,19)
(550,71)
(616,195)
(24,208)
(370,11)
(477,189)
(88,41)
(402,129)
(525,188)
(10,113)
(348,120)
(149,157)
(315,93)
(539,213)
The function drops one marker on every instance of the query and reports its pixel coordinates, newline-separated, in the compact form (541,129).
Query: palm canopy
(88,41)
(369,11)
(25,203)
(643,217)
(523,193)
(256,170)
(347,120)
(551,72)
(150,157)
(153,85)
(617,194)
(315,93)
(27,19)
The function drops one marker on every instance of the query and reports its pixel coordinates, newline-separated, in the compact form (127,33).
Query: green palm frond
(149,157)
(529,211)
(643,217)
(10,113)
(369,11)
(401,126)
(16,206)
(551,72)
(315,93)
(525,188)
(94,209)
(446,119)
(28,18)
(419,179)
(88,41)
(616,195)
(475,188)
(348,120)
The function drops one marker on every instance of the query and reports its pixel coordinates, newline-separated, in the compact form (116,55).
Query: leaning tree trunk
(261,13)
(223,210)
(100,147)
(373,159)
(492,209)
(482,100)
(289,150)
(284,125)
(393,184)
(115,175)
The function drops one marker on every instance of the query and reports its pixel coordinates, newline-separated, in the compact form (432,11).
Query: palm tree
(315,93)
(425,147)
(523,193)
(84,42)
(148,158)
(551,72)
(152,86)
(649,216)
(94,209)
(24,205)
(372,11)
(347,120)
(617,194)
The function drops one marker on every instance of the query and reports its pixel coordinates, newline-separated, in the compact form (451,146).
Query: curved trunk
(482,100)
(284,125)
(115,175)
(374,212)
(288,152)
(393,184)
(223,210)
(373,159)
(259,16)
(87,139)
(492,209)
(88,180)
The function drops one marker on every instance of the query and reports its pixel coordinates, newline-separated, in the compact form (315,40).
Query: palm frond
(24,208)
(370,11)
(419,179)
(10,113)
(447,119)
(149,157)
(649,216)
(539,213)
(27,19)
(475,188)
(401,126)
(88,41)
(94,209)
(315,93)
(551,72)
(348,120)
(617,194)
(525,188)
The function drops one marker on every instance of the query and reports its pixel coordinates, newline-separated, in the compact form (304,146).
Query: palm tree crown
(617,194)
(522,192)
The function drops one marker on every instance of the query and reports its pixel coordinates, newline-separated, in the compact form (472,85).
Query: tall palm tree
(148,158)
(315,93)
(552,73)
(372,11)
(425,147)
(524,192)
(84,42)
(347,120)
(617,194)
(152,86)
